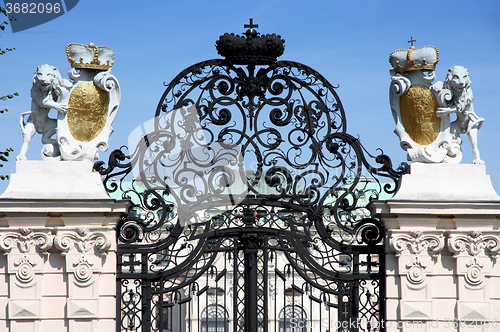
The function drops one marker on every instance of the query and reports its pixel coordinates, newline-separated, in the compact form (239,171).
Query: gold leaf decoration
(87,111)
(418,113)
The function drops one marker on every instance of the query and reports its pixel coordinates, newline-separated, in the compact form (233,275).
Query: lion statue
(459,97)
(48,87)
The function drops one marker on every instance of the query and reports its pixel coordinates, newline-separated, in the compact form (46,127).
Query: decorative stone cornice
(83,240)
(473,243)
(42,207)
(25,239)
(416,242)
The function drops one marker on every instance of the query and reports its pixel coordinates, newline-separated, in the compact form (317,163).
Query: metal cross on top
(412,41)
(251,25)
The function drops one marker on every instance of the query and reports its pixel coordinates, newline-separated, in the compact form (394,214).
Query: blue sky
(348,42)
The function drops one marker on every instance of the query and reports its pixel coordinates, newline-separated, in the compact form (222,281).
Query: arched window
(292,292)
(212,291)
(260,318)
(214,318)
(293,319)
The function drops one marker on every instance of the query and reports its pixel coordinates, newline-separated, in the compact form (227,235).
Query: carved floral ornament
(25,239)
(416,242)
(473,243)
(81,238)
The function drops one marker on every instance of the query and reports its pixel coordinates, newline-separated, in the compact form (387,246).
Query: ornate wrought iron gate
(249,203)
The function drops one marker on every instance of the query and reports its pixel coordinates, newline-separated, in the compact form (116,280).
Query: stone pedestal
(443,236)
(57,233)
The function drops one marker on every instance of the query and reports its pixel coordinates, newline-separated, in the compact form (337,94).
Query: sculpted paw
(442,111)
(63,108)
(478,162)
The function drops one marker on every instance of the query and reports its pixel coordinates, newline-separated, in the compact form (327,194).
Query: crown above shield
(423,58)
(90,57)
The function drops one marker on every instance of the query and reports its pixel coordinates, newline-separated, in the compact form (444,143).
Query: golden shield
(87,111)
(417,107)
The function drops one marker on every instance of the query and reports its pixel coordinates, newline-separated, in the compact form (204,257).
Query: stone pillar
(443,235)
(57,231)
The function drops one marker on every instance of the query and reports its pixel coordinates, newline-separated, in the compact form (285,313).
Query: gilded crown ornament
(422,58)
(90,57)
(250,48)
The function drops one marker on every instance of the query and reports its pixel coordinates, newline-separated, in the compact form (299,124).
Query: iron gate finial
(251,48)
(251,25)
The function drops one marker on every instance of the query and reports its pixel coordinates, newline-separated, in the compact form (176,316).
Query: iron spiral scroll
(251,161)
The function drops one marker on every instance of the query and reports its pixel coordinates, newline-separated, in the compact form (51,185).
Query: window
(292,292)
(345,260)
(215,291)
(167,319)
(260,319)
(214,318)
(162,258)
(293,319)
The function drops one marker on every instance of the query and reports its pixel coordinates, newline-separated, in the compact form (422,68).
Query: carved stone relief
(422,111)
(474,275)
(86,106)
(473,243)
(25,269)
(416,271)
(25,239)
(83,269)
(416,242)
(83,240)
(79,242)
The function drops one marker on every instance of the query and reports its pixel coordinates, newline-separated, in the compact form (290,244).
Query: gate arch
(249,183)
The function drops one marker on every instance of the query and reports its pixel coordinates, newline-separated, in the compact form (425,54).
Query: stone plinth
(443,235)
(447,183)
(57,230)
(55,180)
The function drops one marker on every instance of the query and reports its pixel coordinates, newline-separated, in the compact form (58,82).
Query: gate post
(57,233)
(442,239)
(251,244)
(251,290)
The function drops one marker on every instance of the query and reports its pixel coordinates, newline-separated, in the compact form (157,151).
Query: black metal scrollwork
(244,149)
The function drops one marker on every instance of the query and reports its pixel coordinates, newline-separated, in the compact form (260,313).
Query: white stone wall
(443,238)
(57,279)
(444,276)
(57,236)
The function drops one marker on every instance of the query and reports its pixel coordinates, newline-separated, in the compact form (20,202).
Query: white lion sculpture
(458,95)
(48,86)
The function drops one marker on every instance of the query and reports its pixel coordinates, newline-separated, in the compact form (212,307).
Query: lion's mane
(462,97)
(55,89)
